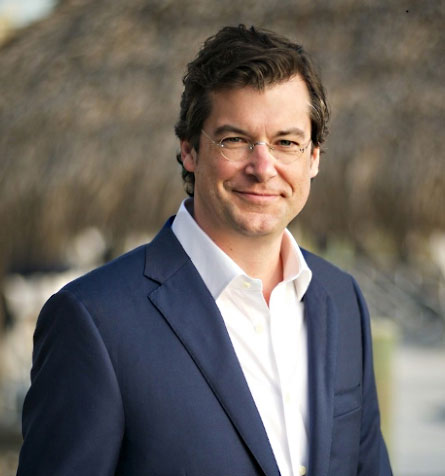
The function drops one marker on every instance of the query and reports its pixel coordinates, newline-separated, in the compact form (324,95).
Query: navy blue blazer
(134,374)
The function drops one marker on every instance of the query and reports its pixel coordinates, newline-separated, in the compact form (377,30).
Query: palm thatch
(89,97)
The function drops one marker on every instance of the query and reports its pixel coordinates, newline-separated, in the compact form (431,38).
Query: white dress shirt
(270,341)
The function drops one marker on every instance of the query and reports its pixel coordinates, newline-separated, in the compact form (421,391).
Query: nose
(261,163)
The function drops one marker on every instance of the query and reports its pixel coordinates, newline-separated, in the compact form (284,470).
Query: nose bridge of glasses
(263,157)
(254,144)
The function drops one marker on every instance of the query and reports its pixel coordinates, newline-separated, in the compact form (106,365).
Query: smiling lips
(257,197)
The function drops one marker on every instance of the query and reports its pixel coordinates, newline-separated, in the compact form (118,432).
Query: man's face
(260,195)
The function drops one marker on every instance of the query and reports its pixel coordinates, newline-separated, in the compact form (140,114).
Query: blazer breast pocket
(347,401)
(346,432)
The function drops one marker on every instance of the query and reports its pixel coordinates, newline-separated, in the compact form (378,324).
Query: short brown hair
(237,57)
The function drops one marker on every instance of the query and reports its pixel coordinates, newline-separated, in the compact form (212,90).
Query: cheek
(298,180)
(300,186)
(208,177)
(224,172)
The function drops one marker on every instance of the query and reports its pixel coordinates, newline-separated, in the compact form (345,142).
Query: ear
(315,162)
(188,156)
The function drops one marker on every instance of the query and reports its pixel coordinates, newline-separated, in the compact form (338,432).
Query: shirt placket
(284,331)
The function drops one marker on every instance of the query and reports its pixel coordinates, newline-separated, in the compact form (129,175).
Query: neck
(259,257)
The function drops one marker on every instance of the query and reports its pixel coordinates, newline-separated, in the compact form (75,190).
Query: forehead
(278,106)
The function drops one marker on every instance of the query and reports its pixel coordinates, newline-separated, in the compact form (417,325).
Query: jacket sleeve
(73,415)
(373,458)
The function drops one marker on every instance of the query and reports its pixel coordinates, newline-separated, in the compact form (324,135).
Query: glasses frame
(251,145)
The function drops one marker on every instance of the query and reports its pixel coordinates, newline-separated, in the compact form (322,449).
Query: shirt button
(259,328)
(246,284)
(287,399)
(302,470)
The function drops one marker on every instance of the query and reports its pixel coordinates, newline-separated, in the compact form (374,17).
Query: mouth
(257,197)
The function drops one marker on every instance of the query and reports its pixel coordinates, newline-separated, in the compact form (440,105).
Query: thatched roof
(89,97)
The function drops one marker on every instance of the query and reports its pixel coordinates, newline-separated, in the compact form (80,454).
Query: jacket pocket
(347,401)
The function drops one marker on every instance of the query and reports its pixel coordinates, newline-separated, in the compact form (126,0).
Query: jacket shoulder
(123,272)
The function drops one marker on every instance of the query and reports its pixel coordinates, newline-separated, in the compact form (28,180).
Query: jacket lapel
(322,343)
(186,304)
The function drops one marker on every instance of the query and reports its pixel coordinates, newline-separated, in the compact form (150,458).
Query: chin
(260,226)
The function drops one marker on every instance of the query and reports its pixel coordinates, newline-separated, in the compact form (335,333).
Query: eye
(233,142)
(287,144)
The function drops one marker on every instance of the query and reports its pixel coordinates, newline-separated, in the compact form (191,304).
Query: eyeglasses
(237,149)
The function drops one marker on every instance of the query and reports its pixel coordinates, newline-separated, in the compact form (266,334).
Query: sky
(23,12)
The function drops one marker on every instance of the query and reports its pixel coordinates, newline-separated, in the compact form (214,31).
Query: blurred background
(89,95)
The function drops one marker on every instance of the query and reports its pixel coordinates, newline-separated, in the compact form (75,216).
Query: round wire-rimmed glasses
(237,149)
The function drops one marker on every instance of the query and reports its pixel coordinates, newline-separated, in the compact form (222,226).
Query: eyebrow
(230,128)
(296,131)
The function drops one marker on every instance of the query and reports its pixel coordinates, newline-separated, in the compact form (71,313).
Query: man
(221,348)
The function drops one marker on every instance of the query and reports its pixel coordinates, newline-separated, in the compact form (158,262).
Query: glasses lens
(235,154)
(286,156)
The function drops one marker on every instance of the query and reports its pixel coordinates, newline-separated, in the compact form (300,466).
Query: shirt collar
(295,267)
(218,270)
